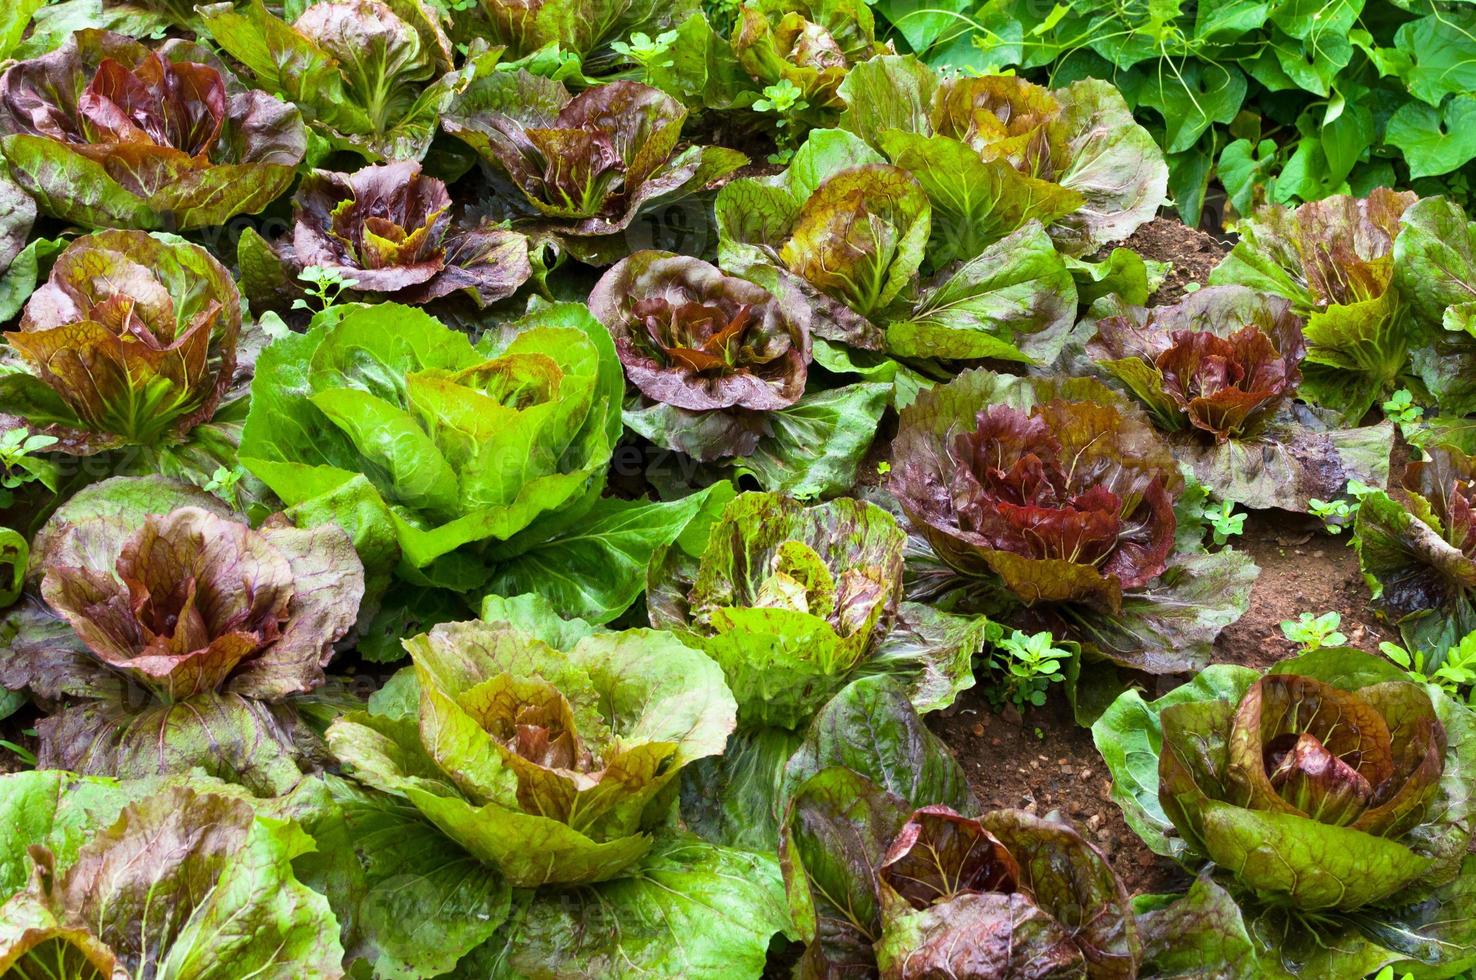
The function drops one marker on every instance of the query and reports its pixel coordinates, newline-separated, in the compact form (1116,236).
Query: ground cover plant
(735,489)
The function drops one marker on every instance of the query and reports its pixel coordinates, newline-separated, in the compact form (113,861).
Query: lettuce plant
(1331,797)
(1217,373)
(1435,269)
(186,632)
(396,426)
(542,762)
(848,234)
(111,881)
(393,231)
(583,28)
(583,167)
(1068,500)
(1061,495)
(892,870)
(107,133)
(994,152)
(793,602)
(420,422)
(370,77)
(132,341)
(809,45)
(719,350)
(1416,545)
(1333,259)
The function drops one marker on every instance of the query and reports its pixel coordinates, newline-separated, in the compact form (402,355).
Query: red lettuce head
(392,230)
(1417,548)
(1223,361)
(131,341)
(692,337)
(104,131)
(191,602)
(583,166)
(1064,500)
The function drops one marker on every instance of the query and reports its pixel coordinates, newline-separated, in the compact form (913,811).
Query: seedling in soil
(1030,664)
(1311,632)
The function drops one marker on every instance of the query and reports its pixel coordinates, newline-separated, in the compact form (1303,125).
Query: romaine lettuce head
(1222,361)
(1062,491)
(179,632)
(584,166)
(1333,259)
(974,897)
(810,45)
(580,27)
(107,133)
(1321,789)
(131,341)
(1417,547)
(997,151)
(175,882)
(1218,373)
(544,763)
(790,600)
(370,77)
(891,869)
(394,232)
(852,238)
(694,338)
(385,410)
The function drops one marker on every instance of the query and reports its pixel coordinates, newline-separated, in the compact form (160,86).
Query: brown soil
(1191,252)
(1044,761)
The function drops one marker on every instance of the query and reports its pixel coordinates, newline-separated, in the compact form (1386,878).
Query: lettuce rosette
(1330,796)
(1333,260)
(1058,495)
(995,152)
(1218,373)
(847,234)
(112,880)
(719,367)
(393,232)
(793,602)
(370,77)
(1435,270)
(892,870)
(1416,544)
(579,169)
(169,634)
(105,132)
(131,342)
(458,465)
(809,45)
(545,762)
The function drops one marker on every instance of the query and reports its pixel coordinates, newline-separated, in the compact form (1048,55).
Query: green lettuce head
(402,428)
(1334,260)
(109,881)
(847,234)
(794,601)
(104,132)
(544,762)
(996,151)
(1331,796)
